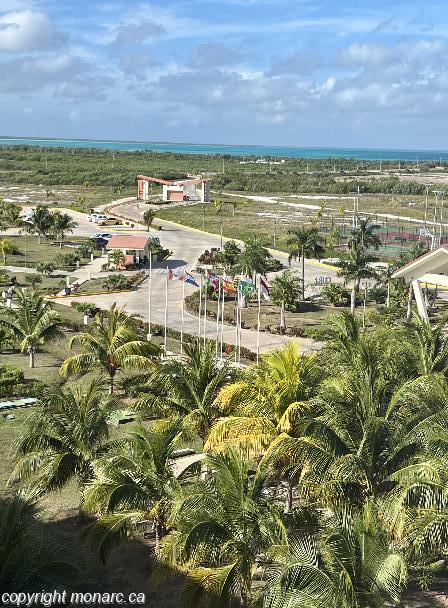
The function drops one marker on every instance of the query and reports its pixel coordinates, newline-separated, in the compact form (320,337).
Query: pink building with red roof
(135,247)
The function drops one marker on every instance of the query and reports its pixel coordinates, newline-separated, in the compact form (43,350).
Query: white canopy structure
(429,269)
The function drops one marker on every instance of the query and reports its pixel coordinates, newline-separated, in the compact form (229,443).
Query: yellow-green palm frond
(232,396)
(292,416)
(251,435)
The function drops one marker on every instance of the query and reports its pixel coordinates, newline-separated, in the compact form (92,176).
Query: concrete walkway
(187,244)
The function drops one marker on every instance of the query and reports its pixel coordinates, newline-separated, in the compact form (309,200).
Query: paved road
(186,244)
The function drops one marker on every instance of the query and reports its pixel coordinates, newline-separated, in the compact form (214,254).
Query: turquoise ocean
(235,150)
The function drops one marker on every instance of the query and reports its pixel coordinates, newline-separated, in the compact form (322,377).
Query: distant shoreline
(234,150)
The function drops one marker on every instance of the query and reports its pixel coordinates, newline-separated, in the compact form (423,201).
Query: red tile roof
(128,241)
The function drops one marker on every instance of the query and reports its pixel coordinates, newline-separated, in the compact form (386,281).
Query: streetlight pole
(275,233)
(221,234)
(203,217)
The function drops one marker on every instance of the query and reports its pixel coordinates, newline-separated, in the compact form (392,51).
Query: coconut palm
(134,486)
(187,388)
(221,528)
(41,222)
(63,438)
(148,217)
(6,248)
(432,346)
(349,562)
(369,435)
(363,236)
(32,322)
(304,243)
(285,292)
(255,258)
(116,343)
(270,399)
(354,268)
(9,214)
(32,558)
(117,258)
(62,224)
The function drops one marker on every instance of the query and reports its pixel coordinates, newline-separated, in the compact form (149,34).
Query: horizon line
(186,143)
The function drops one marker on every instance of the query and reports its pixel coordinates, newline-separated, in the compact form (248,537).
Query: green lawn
(31,252)
(264,218)
(48,284)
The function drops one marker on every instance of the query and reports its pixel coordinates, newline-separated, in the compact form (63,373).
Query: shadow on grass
(48,555)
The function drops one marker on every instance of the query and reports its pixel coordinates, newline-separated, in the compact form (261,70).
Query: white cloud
(28,30)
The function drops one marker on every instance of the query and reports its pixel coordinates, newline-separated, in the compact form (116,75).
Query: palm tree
(373,431)
(148,217)
(349,562)
(62,224)
(271,398)
(188,388)
(221,528)
(116,343)
(363,236)
(9,213)
(117,258)
(41,222)
(432,346)
(33,322)
(134,485)
(354,268)
(64,437)
(285,292)
(6,248)
(304,243)
(32,558)
(255,258)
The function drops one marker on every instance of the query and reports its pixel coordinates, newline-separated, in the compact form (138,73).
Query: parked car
(109,221)
(99,241)
(96,217)
(103,235)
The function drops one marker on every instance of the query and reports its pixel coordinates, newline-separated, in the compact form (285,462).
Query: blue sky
(273,72)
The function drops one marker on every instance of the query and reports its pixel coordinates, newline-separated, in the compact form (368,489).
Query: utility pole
(275,233)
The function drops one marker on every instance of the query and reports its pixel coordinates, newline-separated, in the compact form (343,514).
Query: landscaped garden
(314,462)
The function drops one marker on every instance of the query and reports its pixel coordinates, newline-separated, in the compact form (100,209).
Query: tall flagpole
(236,321)
(205,312)
(258,320)
(222,321)
(199,309)
(166,310)
(182,318)
(149,336)
(239,326)
(217,316)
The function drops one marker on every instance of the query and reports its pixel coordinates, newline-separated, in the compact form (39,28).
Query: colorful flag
(247,287)
(212,279)
(176,276)
(264,289)
(229,287)
(191,280)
